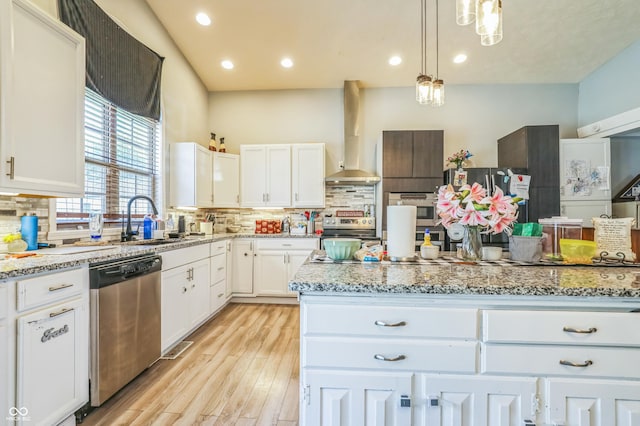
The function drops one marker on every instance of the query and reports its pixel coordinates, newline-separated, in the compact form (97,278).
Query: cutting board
(72,249)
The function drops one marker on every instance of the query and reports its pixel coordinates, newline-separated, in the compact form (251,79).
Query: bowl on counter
(234,228)
(341,248)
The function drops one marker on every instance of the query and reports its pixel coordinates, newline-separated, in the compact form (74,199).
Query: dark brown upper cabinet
(412,153)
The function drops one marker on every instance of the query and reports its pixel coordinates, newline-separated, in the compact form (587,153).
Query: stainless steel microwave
(425,203)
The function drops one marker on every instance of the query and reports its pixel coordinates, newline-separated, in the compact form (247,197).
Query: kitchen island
(443,343)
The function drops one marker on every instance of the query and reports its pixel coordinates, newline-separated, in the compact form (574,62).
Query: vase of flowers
(459,158)
(478,211)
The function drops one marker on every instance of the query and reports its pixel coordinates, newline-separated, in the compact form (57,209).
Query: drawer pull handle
(221,268)
(60,312)
(580,330)
(60,287)
(575,364)
(220,295)
(384,358)
(388,324)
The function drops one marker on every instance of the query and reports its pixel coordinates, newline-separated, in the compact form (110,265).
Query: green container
(341,248)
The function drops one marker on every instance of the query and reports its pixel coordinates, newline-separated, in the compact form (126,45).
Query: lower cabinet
(475,400)
(276,261)
(218,276)
(440,361)
(242,269)
(592,402)
(185,293)
(4,354)
(347,398)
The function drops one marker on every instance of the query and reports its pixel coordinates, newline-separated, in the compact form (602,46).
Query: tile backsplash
(12,208)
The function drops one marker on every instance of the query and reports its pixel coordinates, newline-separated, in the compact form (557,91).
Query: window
(122,159)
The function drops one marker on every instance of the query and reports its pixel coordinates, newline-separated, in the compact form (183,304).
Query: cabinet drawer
(419,355)
(4,301)
(218,247)
(287,243)
(216,296)
(545,360)
(401,321)
(45,289)
(174,258)
(218,268)
(582,328)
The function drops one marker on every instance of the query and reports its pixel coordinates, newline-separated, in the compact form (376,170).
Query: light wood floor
(242,369)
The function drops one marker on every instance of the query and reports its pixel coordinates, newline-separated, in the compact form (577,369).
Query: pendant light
(489,21)
(465,12)
(424,83)
(438,84)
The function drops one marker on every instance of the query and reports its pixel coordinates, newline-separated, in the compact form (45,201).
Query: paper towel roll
(401,231)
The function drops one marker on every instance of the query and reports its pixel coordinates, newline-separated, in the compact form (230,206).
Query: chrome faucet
(128,234)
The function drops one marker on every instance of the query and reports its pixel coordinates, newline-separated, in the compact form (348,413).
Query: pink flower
(498,202)
(476,193)
(473,217)
(448,203)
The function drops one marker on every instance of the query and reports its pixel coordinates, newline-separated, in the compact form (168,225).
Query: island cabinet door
(593,402)
(447,400)
(341,398)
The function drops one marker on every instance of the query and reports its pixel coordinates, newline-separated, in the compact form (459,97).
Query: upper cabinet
(412,154)
(190,181)
(265,175)
(307,174)
(42,79)
(226,179)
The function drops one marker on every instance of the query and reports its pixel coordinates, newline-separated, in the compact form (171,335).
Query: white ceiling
(545,41)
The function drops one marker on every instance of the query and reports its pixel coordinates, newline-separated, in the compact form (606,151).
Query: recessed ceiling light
(286,62)
(460,58)
(395,60)
(227,64)
(203,19)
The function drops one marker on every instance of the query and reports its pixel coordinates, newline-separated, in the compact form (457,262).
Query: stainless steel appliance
(349,224)
(124,322)
(425,203)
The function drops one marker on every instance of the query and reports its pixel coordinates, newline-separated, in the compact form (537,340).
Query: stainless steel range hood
(351,173)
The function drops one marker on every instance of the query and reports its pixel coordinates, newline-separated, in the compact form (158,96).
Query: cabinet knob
(184,289)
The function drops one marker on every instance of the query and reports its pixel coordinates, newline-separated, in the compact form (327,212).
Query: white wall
(625,152)
(611,89)
(473,117)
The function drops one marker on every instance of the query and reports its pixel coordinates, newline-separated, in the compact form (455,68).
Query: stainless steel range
(349,224)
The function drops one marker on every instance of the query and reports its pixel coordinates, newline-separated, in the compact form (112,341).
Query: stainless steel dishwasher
(125,322)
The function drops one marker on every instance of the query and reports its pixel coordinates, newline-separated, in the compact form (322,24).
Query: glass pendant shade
(465,12)
(424,89)
(488,17)
(438,93)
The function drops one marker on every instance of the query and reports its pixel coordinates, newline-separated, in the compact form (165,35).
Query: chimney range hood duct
(351,173)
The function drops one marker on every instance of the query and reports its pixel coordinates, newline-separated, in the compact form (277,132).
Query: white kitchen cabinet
(242,270)
(42,80)
(218,276)
(592,402)
(277,260)
(226,180)
(265,175)
(51,348)
(560,363)
(450,400)
(190,175)
(334,398)
(307,174)
(185,292)
(4,354)
(229,269)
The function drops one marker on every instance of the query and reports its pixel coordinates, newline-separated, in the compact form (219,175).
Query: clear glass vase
(472,243)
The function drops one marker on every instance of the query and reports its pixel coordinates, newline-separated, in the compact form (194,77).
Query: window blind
(122,159)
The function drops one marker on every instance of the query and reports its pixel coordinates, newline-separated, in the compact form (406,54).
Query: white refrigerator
(585,178)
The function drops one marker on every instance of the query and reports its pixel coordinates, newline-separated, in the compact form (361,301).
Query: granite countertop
(43,262)
(499,279)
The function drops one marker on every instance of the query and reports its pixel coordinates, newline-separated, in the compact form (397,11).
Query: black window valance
(119,67)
